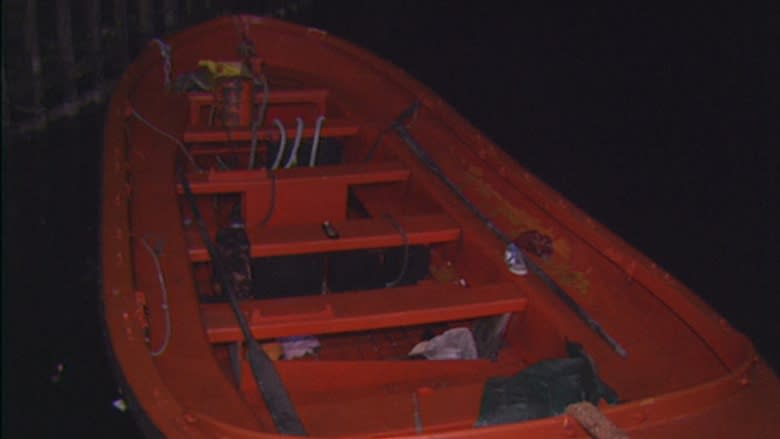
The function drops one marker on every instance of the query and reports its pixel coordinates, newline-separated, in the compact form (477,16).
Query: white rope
(170,136)
(165,52)
(164,289)
(316,141)
(282,143)
(298,135)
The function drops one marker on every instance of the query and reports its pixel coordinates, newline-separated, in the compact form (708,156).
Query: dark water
(648,119)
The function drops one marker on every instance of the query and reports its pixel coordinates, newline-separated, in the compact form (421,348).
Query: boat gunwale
(629,416)
(168,416)
(736,351)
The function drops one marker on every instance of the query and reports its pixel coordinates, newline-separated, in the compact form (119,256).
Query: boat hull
(725,389)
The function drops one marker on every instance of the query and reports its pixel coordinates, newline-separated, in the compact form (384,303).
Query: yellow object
(273,349)
(223,69)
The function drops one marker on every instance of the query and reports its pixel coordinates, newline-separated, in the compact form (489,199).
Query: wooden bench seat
(215,182)
(354,234)
(362,310)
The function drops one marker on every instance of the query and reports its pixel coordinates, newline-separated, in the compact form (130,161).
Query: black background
(653,120)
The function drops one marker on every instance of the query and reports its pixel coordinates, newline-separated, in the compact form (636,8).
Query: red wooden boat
(394,272)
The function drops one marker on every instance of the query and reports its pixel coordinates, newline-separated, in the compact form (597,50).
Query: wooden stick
(594,422)
(65,40)
(6,110)
(120,24)
(95,25)
(145,23)
(537,270)
(270,384)
(170,14)
(34,52)
(60,111)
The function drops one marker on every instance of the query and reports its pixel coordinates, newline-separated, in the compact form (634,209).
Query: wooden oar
(268,380)
(428,161)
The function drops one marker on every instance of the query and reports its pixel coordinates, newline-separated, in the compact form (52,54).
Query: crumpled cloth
(453,344)
(299,346)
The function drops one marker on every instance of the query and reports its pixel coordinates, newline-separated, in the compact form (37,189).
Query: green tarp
(543,389)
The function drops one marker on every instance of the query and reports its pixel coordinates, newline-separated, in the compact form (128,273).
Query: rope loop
(165,53)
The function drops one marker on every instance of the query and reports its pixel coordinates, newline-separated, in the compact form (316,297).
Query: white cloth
(453,344)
